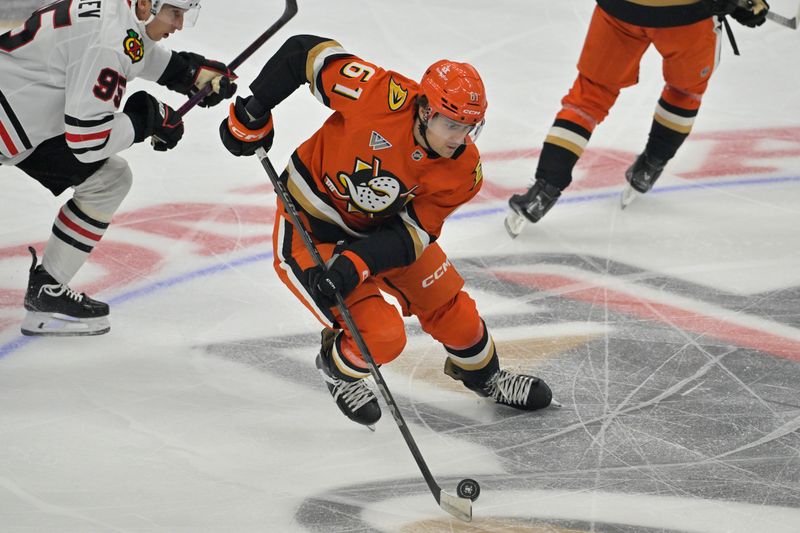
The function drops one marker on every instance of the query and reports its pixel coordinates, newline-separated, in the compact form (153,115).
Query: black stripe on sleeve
(15,122)
(91,149)
(72,121)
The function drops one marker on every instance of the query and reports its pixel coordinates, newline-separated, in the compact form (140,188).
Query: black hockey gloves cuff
(151,118)
(341,276)
(188,73)
(751,17)
(247,128)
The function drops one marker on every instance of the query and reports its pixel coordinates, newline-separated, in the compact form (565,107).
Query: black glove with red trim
(247,128)
(188,73)
(341,276)
(151,118)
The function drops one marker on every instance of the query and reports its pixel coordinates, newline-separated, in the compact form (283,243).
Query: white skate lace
(356,394)
(509,388)
(57,290)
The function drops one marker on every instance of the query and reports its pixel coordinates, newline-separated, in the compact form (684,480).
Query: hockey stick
(289,11)
(459,507)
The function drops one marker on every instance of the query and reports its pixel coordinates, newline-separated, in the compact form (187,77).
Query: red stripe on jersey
(7,140)
(76,228)
(77,137)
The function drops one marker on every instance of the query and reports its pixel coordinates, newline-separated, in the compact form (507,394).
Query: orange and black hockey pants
(430,289)
(610,62)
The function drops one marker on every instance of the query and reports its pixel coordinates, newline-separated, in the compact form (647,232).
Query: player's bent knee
(386,345)
(456,323)
(103,192)
(386,341)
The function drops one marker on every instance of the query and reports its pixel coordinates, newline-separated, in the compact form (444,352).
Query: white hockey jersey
(65,72)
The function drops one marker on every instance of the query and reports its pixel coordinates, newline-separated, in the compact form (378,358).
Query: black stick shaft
(289,11)
(283,194)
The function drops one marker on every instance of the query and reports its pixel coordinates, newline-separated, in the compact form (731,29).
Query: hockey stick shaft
(288,13)
(459,507)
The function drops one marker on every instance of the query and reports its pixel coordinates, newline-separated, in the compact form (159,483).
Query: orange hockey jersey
(361,177)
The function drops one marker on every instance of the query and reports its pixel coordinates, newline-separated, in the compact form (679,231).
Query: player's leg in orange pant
(378,321)
(609,62)
(432,289)
(690,56)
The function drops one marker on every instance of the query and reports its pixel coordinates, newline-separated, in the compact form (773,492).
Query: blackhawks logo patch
(133,46)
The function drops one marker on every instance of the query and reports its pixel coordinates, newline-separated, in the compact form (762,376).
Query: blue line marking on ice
(189,276)
(591,197)
(21,342)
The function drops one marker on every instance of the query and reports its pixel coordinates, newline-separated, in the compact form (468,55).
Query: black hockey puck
(468,488)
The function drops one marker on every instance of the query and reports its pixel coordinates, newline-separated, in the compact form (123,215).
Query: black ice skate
(530,206)
(354,398)
(641,176)
(520,391)
(56,310)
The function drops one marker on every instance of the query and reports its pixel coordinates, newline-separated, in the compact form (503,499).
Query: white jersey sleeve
(65,72)
(95,85)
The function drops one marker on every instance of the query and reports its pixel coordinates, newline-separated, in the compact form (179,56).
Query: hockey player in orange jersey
(686,34)
(373,187)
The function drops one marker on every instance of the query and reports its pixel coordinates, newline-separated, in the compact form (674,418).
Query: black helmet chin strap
(423,131)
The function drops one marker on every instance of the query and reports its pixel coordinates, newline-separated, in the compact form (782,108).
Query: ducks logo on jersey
(370,191)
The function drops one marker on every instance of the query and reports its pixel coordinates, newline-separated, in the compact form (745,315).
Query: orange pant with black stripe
(430,289)
(610,62)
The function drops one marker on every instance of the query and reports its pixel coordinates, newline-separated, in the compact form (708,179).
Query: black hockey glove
(748,16)
(188,73)
(340,277)
(155,119)
(247,128)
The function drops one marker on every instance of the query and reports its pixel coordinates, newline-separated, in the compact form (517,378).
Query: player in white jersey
(64,74)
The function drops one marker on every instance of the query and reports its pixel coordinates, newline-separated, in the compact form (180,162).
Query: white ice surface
(147,429)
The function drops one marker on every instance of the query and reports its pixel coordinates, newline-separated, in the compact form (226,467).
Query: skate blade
(555,403)
(38,324)
(371,427)
(514,223)
(629,194)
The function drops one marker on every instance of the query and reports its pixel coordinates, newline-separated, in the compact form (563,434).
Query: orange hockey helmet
(456,91)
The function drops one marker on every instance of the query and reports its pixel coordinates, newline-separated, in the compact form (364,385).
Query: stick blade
(783,21)
(461,508)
